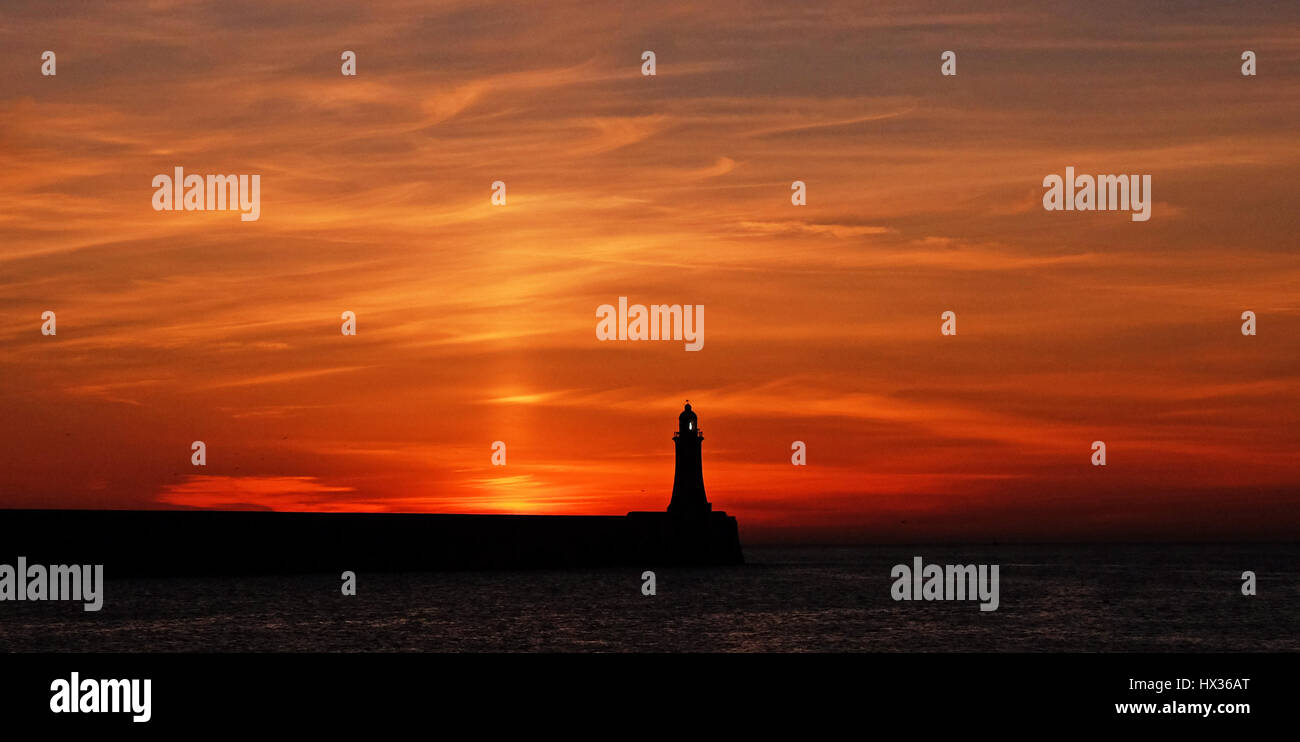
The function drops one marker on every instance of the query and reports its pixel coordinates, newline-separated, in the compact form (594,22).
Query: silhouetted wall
(184,543)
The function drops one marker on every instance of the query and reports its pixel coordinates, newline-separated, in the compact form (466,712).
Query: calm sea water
(1053,598)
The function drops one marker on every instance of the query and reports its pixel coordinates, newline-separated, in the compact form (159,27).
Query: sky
(476,323)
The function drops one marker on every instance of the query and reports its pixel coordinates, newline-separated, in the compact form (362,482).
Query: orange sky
(476,323)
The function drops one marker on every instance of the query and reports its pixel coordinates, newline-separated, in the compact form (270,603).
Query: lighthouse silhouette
(688,480)
(691,532)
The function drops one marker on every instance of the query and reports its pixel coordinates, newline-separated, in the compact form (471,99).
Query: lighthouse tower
(688,481)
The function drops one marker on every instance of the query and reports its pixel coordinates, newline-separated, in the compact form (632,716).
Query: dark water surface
(1115,598)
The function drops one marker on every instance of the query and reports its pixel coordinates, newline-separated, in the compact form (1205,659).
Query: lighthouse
(688,481)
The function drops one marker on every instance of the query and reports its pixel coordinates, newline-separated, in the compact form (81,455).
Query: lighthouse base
(707,538)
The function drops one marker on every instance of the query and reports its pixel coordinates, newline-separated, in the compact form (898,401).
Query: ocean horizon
(1053,598)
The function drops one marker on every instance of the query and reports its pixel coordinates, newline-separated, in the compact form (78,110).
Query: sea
(1086,598)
